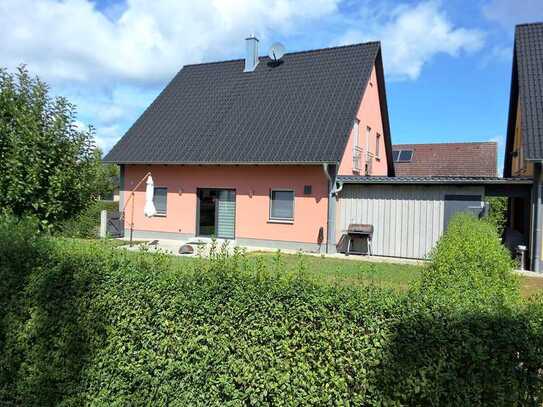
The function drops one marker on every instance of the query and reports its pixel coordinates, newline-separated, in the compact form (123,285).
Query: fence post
(103,224)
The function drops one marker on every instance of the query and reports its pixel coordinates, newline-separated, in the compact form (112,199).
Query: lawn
(351,272)
(332,271)
(324,270)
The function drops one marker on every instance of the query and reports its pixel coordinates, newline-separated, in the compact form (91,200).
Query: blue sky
(447,63)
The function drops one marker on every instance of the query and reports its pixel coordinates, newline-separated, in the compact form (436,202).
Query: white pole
(103,224)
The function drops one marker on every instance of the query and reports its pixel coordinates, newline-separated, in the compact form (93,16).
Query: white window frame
(272,219)
(377,146)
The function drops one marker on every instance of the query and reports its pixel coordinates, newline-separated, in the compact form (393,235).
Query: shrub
(87,223)
(88,324)
(497,212)
(470,267)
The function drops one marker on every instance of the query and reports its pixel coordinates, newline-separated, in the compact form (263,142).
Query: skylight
(402,156)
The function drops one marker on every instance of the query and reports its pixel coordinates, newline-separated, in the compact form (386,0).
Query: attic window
(402,156)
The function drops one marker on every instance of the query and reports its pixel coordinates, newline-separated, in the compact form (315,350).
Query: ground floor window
(160,200)
(281,205)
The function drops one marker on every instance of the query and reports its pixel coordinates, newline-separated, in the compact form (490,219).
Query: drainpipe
(337,189)
(537,218)
(330,172)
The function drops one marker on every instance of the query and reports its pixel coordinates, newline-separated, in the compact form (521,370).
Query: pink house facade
(258,161)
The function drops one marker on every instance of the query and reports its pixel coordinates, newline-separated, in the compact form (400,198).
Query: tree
(107,177)
(47,163)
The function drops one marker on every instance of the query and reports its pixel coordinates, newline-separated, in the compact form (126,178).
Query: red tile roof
(449,159)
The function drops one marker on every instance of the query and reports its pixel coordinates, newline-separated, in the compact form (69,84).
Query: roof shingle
(449,159)
(527,88)
(298,112)
(529,48)
(360,179)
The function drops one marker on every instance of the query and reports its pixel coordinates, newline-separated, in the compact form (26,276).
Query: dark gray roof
(358,179)
(298,112)
(527,86)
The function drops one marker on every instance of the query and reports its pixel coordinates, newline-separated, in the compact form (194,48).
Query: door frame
(198,199)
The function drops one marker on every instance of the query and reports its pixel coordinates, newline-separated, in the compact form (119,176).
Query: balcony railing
(369,162)
(362,163)
(358,155)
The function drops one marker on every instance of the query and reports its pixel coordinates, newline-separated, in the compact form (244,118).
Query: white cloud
(412,35)
(147,43)
(106,136)
(112,62)
(511,12)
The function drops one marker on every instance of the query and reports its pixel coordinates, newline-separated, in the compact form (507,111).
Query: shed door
(226,214)
(461,203)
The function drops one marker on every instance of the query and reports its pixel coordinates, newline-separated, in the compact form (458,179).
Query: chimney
(251,55)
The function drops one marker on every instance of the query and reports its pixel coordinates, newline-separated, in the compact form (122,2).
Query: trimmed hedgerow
(470,267)
(88,324)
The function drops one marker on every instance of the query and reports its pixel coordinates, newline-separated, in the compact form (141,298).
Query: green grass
(332,271)
(531,285)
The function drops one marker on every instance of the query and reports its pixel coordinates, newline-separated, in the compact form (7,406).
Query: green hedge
(88,324)
(470,267)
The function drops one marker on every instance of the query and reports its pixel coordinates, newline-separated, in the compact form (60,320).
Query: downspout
(325,168)
(331,212)
(335,189)
(537,235)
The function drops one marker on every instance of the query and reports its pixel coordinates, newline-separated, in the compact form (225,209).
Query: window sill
(159,215)
(282,221)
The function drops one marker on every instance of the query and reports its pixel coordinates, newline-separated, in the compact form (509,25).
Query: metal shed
(409,214)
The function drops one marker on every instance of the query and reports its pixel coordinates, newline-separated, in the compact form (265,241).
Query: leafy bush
(470,267)
(497,212)
(87,223)
(88,324)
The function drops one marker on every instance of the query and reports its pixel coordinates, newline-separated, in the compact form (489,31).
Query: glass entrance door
(216,213)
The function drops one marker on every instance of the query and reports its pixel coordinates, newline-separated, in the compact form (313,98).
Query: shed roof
(358,179)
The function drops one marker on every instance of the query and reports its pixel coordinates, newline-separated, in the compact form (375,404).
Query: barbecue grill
(359,231)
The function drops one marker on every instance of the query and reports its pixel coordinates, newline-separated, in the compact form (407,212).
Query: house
(250,149)
(524,144)
(474,159)
(289,152)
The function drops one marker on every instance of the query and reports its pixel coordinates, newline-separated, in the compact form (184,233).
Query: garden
(86,323)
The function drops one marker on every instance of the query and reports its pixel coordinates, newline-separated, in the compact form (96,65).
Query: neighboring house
(251,149)
(475,159)
(524,146)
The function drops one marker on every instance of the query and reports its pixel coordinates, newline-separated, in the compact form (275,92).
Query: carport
(409,214)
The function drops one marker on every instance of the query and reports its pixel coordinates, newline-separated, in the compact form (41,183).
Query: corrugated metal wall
(407,219)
